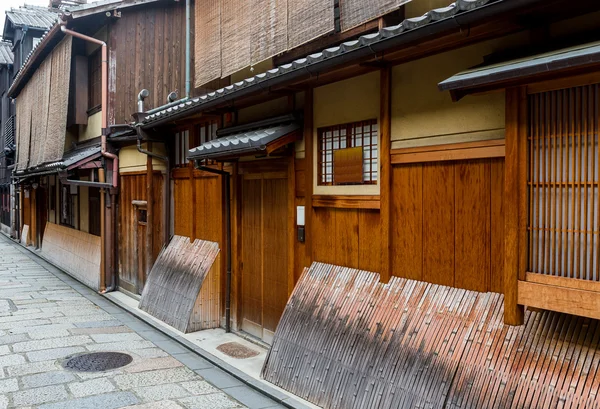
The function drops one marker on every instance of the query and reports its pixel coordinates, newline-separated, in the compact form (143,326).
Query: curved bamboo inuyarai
(347,341)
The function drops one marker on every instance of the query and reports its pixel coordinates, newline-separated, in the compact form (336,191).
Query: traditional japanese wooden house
(7,136)
(351,154)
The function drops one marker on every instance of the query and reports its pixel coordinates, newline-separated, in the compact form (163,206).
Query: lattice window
(185,139)
(564,218)
(182,146)
(362,134)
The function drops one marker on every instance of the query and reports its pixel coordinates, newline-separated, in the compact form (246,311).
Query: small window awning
(73,159)
(521,70)
(257,138)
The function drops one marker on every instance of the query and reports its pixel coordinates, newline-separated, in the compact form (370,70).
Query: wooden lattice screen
(564,219)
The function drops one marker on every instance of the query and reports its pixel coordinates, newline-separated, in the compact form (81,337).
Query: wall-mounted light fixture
(34,185)
(300,223)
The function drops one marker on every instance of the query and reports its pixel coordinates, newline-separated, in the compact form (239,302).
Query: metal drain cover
(98,361)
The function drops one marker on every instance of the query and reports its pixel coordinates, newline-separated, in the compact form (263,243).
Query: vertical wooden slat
(385,169)
(584,227)
(309,178)
(597,180)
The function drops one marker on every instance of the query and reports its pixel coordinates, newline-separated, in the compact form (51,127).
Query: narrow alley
(46,317)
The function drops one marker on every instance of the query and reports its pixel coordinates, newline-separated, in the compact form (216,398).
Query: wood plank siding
(133,187)
(448,223)
(147,51)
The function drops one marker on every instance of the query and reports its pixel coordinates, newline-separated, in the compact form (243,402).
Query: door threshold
(129,293)
(251,338)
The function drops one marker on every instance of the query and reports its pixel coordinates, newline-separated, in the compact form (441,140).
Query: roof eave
(26,72)
(377,48)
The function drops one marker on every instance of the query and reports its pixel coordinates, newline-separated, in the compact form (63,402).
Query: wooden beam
(582,303)
(347,201)
(454,151)
(513,312)
(309,158)
(385,169)
(566,282)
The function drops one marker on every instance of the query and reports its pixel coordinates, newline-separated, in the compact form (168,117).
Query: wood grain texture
(346,201)
(513,313)
(385,170)
(133,187)
(497,225)
(472,217)
(407,222)
(560,299)
(148,54)
(439,224)
(449,218)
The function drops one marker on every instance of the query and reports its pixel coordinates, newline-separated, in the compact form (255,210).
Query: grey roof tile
(240,143)
(32,16)
(6,54)
(68,159)
(304,63)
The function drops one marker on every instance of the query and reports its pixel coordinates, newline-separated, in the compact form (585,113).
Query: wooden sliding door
(264,258)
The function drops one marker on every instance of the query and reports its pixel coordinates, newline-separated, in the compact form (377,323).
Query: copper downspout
(104,152)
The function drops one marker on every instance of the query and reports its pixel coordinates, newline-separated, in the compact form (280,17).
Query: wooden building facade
(433,206)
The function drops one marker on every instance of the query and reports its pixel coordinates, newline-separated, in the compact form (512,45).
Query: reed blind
(207,41)
(356,12)
(564,218)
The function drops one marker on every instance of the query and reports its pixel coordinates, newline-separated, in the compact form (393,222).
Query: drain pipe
(226,177)
(188,59)
(104,152)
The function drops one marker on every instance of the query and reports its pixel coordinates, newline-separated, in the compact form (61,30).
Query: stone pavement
(46,317)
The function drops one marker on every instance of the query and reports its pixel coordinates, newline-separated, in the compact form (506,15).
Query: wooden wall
(449,223)
(147,50)
(198,210)
(133,187)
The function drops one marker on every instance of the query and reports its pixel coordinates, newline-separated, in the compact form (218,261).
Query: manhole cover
(237,350)
(98,361)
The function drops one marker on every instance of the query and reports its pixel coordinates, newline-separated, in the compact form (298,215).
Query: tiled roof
(32,16)
(242,142)
(69,158)
(557,60)
(368,42)
(6,54)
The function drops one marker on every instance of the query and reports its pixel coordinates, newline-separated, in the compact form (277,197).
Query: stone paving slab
(48,318)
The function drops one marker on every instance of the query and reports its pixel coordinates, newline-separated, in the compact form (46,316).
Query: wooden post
(514,202)
(309,178)
(291,223)
(33,217)
(149,211)
(102,179)
(385,169)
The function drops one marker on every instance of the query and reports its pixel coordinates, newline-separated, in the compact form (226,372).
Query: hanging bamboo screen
(564,218)
(235,36)
(42,109)
(356,12)
(309,19)
(207,41)
(269,29)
